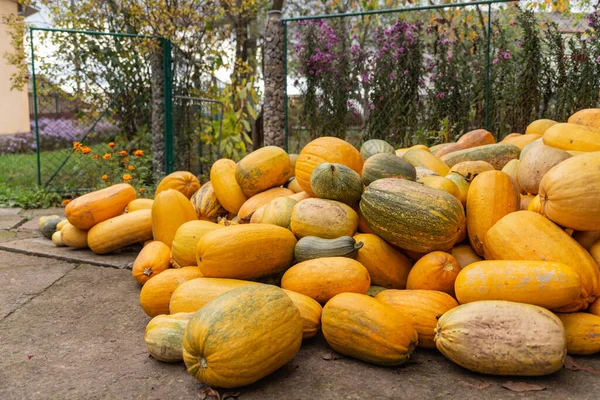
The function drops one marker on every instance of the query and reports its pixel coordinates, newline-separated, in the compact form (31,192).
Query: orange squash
(573,137)
(121,231)
(569,192)
(263,169)
(492,195)
(170,210)
(434,271)
(300,196)
(86,211)
(422,307)
(462,184)
(327,219)
(206,204)
(325,149)
(245,251)
(594,308)
(478,137)
(183,181)
(259,200)
(152,260)
(588,117)
(242,336)
(541,283)
(465,255)
(526,200)
(278,212)
(156,293)
(323,278)
(228,191)
(583,333)
(535,205)
(363,226)
(525,235)
(538,160)
(595,251)
(359,326)
(139,204)
(387,266)
(187,236)
(423,158)
(257,215)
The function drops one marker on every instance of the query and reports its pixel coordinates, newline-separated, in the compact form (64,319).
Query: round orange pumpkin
(152,260)
(434,271)
(321,150)
(183,181)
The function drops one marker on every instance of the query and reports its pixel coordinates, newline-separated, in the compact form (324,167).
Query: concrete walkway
(72,330)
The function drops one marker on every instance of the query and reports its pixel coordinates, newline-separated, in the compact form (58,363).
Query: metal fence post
(285,93)
(487,69)
(35,109)
(168,104)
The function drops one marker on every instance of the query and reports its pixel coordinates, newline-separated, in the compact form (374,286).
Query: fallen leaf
(522,387)
(330,356)
(230,395)
(212,393)
(202,396)
(571,365)
(480,385)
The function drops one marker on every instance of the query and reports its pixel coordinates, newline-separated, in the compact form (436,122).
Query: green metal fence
(427,74)
(92,89)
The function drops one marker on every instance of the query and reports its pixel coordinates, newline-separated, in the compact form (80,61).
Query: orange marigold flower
(131,167)
(65,202)
(104,177)
(76,145)
(108,183)
(127,178)
(85,150)
(123,152)
(107,156)
(138,153)
(111,145)
(96,157)
(142,190)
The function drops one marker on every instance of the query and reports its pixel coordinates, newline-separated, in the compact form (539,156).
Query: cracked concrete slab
(24,277)
(10,211)
(41,246)
(10,221)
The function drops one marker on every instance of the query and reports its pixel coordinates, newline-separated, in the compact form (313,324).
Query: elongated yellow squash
(121,231)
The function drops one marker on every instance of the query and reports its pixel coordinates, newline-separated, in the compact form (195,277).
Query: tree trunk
(158,115)
(273,109)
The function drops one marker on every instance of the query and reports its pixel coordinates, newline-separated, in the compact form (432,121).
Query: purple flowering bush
(394,79)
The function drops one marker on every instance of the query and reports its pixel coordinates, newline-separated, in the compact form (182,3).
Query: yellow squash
(156,293)
(183,181)
(71,236)
(242,336)
(87,210)
(525,235)
(573,137)
(196,293)
(387,266)
(583,332)
(327,219)
(492,195)
(139,204)
(245,251)
(359,326)
(541,283)
(263,169)
(152,260)
(539,126)
(423,158)
(259,200)
(588,117)
(310,311)
(187,236)
(170,210)
(502,338)
(323,278)
(228,191)
(570,192)
(422,307)
(121,231)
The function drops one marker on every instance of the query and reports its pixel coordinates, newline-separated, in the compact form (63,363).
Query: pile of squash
(487,251)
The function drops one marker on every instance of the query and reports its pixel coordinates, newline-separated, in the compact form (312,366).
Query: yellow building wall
(14,105)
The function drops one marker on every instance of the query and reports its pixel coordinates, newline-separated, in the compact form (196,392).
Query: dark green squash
(412,216)
(375,146)
(48,224)
(311,247)
(386,165)
(336,182)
